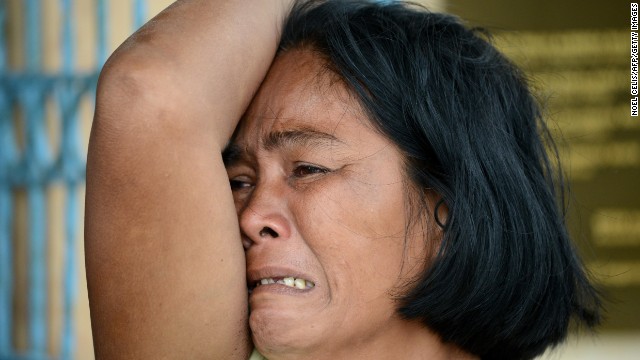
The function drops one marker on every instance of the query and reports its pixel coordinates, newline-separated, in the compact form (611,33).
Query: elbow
(130,88)
(131,109)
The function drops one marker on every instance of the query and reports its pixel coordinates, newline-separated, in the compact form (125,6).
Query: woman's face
(321,200)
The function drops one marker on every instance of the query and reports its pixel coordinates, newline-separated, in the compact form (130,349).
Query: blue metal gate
(31,166)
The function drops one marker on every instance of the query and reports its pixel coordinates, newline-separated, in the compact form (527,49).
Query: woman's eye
(306,170)
(239,184)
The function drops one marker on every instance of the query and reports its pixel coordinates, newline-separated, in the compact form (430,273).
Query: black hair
(506,280)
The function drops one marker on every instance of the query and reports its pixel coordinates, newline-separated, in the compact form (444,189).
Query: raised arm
(165,265)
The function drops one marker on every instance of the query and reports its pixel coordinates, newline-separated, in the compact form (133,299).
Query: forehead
(301,93)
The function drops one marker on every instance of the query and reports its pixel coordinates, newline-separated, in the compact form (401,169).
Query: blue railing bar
(33,39)
(70,279)
(8,159)
(34,154)
(102,14)
(37,265)
(68,29)
(70,142)
(35,161)
(139,13)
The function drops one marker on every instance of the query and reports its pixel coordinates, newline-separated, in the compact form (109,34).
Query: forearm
(165,266)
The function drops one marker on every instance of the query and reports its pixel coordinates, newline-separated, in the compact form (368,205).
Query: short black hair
(506,280)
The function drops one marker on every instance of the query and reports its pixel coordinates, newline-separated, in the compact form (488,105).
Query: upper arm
(165,265)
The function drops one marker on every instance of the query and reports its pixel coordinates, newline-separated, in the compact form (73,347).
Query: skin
(322,196)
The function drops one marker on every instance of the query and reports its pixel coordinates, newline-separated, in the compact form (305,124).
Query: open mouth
(289,281)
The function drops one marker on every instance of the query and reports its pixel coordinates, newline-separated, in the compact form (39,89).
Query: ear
(435,215)
(441,213)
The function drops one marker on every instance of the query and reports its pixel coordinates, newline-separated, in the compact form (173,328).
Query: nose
(265,217)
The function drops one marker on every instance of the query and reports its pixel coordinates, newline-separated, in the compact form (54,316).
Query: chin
(282,332)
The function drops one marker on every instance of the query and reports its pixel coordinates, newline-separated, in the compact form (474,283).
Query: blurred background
(577,54)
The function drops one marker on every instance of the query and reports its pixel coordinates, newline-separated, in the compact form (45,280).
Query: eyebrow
(234,152)
(302,138)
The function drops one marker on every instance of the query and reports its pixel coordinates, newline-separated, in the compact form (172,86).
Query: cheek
(369,205)
(355,224)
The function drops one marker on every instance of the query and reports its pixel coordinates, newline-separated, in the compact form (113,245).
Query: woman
(392,195)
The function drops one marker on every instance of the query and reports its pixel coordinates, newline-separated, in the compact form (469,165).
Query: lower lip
(279,289)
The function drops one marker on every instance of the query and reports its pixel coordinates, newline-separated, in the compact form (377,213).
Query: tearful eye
(306,170)
(239,184)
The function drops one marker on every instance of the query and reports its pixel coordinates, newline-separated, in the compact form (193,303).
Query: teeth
(300,284)
(288,281)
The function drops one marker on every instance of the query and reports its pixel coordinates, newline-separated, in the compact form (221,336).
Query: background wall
(577,53)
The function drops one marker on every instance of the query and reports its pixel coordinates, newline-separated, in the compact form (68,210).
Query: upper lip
(256,274)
